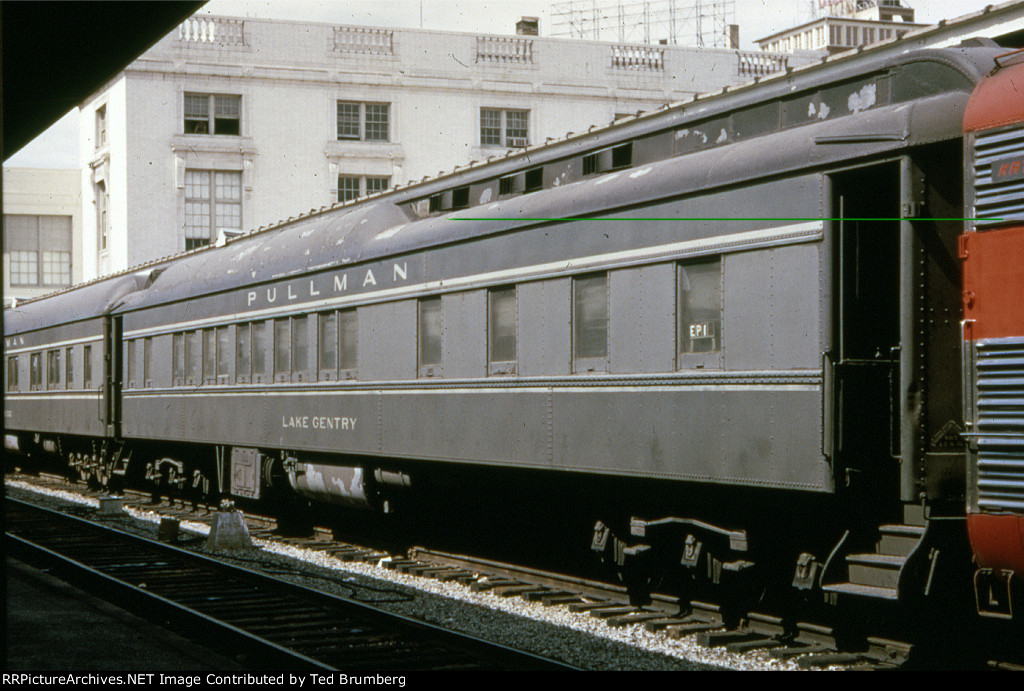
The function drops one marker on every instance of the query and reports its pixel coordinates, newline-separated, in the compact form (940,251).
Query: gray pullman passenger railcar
(757,289)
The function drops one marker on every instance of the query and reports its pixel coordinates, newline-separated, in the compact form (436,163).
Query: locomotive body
(993,253)
(750,302)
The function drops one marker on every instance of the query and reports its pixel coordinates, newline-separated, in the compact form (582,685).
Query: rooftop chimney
(527,26)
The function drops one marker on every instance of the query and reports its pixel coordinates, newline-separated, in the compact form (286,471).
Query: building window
(430,336)
(377,184)
(348,188)
(213,200)
(353,186)
(700,308)
(102,214)
(590,323)
(366,122)
(213,114)
(101,126)
(39,250)
(508,128)
(24,268)
(501,330)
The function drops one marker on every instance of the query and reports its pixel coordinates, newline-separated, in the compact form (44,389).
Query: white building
(42,231)
(847,24)
(229,124)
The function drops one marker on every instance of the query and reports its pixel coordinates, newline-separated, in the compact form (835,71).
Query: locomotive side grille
(1000,427)
(998,152)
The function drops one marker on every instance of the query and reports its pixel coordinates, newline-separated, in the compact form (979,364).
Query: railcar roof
(85,302)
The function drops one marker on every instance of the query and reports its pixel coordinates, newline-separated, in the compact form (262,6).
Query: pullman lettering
(329,285)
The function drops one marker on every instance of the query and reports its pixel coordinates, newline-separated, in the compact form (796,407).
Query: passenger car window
(328,346)
(282,350)
(348,342)
(430,343)
(12,373)
(590,323)
(501,330)
(699,309)
(300,348)
(243,353)
(177,359)
(259,351)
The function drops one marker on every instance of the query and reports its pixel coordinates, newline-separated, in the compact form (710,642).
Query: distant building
(229,124)
(42,231)
(848,24)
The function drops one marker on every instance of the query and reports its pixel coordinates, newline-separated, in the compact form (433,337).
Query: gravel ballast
(554,632)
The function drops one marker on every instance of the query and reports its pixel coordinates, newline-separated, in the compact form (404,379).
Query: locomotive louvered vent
(1001,424)
(999,177)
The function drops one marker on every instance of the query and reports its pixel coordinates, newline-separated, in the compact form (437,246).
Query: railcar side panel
(645,316)
(45,399)
(773,315)
(387,341)
(544,332)
(736,433)
(464,321)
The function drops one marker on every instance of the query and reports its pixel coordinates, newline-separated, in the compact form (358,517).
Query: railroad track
(808,644)
(812,645)
(276,624)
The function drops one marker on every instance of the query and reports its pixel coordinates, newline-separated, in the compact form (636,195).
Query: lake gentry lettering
(327,422)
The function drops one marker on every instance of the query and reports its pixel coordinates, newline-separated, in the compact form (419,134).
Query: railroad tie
(613,611)
(685,629)
(517,590)
(633,618)
(491,583)
(552,599)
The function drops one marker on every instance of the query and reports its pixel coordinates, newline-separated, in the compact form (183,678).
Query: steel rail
(244,610)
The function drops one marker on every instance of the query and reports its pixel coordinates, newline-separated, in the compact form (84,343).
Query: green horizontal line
(705,218)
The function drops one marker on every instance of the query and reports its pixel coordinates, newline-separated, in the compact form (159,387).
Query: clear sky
(58,146)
